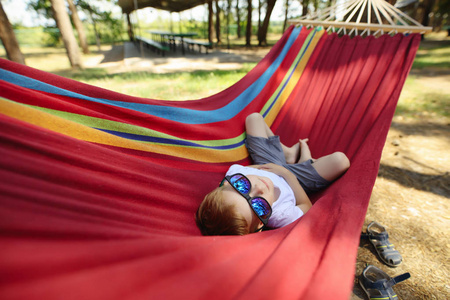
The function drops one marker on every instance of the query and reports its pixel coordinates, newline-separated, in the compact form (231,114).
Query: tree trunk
(65,27)
(79,27)
(228,23)
(210,22)
(238,19)
(130,29)
(262,36)
(286,10)
(218,22)
(9,39)
(427,8)
(316,5)
(259,14)
(97,35)
(248,33)
(305,4)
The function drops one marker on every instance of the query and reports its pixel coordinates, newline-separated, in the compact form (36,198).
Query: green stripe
(134,129)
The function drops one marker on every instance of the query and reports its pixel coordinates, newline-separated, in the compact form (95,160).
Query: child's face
(261,187)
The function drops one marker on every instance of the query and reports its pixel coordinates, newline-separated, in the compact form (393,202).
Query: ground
(410,198)
(411,193)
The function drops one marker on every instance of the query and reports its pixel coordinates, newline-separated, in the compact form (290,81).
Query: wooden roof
(169,5)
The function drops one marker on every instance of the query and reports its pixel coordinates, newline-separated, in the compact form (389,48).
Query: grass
(419,100)
(426,94)
(172,86)
(437,57)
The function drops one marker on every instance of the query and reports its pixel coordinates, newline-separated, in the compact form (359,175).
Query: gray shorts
(268,150)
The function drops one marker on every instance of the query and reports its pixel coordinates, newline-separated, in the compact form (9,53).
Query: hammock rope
(98,189)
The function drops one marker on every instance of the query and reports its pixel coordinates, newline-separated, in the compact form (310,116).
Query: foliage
(43,7)
(443,7)
(52,37)
(101,23)
(110,29)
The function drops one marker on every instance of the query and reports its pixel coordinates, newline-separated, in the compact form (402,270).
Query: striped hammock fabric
(98,189)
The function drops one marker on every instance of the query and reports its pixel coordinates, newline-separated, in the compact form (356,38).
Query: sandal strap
(383,236)
(375,236)
(385,284)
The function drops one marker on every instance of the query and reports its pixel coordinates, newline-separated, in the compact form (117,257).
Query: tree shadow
(115,54)
(426,129)
(438,104)
(436,184)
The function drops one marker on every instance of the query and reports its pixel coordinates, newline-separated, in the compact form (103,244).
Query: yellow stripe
(99,123)
(85,133)
(270,118)
(382,298)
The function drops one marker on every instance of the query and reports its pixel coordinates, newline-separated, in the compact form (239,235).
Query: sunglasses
(259,205)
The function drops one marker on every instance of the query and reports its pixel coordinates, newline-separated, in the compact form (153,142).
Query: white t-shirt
(284,209)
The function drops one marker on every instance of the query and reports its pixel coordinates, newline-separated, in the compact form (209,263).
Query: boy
(272,193)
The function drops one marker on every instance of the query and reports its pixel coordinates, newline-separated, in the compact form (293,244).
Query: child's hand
(305,153)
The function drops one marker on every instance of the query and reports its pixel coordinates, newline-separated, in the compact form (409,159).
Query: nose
(257,189)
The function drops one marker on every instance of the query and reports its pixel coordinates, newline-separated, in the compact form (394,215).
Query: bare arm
(301,199)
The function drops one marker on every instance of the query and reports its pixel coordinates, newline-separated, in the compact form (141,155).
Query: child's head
(230,209)
(217,217)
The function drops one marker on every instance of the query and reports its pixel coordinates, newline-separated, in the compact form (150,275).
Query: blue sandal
(378,285)
(379,238)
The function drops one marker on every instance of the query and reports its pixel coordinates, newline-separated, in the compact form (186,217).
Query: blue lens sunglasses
(259,205)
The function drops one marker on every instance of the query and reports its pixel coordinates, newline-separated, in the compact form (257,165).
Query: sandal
(378,285)
(379,238)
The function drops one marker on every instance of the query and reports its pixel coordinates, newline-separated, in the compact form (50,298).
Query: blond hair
(215,217)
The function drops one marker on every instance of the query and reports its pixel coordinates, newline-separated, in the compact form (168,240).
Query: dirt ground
(412,191)
(410,198)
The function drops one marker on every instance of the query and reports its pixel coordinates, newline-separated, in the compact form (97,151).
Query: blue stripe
(182,115)
(290,75)
(160,140)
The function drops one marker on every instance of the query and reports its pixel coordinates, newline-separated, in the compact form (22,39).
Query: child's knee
(341,161)
(253,119)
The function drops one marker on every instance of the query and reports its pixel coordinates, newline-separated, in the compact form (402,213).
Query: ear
(259,227)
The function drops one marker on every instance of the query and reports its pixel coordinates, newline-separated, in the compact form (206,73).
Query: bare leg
(332,166)
(256,126)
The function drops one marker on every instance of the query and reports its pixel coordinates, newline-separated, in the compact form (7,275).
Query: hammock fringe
(388,19)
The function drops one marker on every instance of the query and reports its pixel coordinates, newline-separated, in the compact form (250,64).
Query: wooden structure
(363,17)
(153,45)
(170,5)
(166,40)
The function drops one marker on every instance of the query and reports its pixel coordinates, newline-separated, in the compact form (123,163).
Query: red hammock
(98,190)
